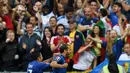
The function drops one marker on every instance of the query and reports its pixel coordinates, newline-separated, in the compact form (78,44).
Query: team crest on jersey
(58,58)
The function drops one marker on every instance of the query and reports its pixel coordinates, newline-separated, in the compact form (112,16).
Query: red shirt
(8,21)
(56,39)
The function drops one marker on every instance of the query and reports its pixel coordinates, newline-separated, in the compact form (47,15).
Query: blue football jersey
(114,19)
(36,67)
(60,60)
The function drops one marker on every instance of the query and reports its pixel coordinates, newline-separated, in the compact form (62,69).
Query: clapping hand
(38,42)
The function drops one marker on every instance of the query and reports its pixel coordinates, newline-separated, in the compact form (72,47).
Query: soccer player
(37,66)
(59,64)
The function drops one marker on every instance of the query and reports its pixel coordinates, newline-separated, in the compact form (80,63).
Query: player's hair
(112,66)
(63,47)
(35,55)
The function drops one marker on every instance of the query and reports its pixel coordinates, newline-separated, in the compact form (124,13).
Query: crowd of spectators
(92,29)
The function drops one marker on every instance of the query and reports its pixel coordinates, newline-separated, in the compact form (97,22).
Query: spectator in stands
(84,57)
(10,52)
(106,21)
(95,6)
(36,29)
(20,15)
(46,49)
(53,24)
(116,43)
(112,67)
(78,9)
(59,39)
(7,17)
(37,66)
(75,36)
(98,48)
(126,55)
(59,64)
(86,22)
(30,42)
(113,16)
(21,30)
(64,18)
(43,13)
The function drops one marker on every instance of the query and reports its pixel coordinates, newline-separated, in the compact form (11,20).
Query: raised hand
(24,46)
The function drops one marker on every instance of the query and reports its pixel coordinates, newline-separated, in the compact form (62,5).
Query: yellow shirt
(72,35)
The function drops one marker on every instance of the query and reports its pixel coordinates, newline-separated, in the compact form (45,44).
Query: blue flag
(125,64)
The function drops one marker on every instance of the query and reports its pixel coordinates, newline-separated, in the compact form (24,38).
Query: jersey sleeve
(44,65)
(56,58)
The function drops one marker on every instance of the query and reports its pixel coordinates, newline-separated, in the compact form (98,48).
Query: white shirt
(124,56)
(45,19)
(85,61)
(117,28)
(63,20)
(107,26)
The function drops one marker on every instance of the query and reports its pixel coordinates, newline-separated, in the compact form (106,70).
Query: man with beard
(114,16)
(63,19)
(59,39)
(43,13)
(34,21)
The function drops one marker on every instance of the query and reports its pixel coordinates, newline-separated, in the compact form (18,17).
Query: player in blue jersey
(59,64)
(37,66)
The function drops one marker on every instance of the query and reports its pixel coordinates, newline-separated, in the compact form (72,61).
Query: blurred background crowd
(92,29)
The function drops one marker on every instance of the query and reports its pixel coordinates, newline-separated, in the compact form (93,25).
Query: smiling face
(93,5)
(96,30)
(53,22)
(29,28)
(33,20)
(87,11)
(47,32)
(113,34)
(60,30)
(116,8)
